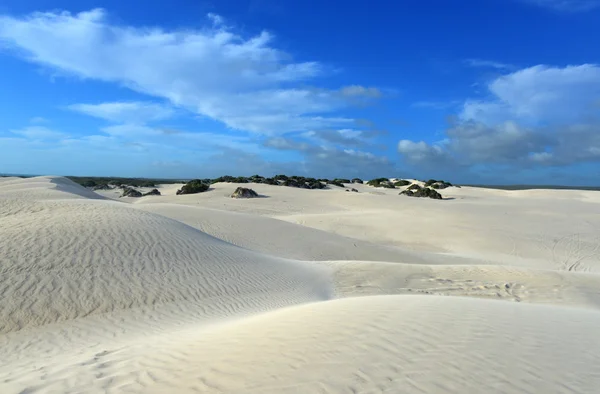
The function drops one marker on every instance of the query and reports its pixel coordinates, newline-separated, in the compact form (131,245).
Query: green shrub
(89,183)
(336,182)
(193,187)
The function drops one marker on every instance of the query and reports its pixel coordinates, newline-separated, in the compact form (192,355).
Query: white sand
(301,291)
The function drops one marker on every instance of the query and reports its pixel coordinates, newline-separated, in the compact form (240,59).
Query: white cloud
(539,94)
(38,120)
(488,63)
(438,105)
(360,91)
(39,133)
(536,116)
(241,81)
(422,153)
(125,112)
(320,160)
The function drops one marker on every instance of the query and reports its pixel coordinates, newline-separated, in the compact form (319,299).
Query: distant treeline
(536,187)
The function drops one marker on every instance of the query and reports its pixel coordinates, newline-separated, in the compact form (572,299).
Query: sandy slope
(300,291)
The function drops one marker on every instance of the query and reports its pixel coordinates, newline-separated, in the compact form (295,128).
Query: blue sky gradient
(474,91)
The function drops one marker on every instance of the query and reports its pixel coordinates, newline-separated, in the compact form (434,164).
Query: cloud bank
(537,116)
(244,82)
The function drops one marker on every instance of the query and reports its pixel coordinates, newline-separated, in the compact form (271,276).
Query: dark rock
(153,192)
(193,187)
(354,190)
(243,192)
(130,192)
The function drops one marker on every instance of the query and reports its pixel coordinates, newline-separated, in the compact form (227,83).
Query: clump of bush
(193,187)
(438,184)
(243,192)
(336,182)
(381,182)
(153,192)
(357,180)
(130,192)
(401,182)
(115,181)
(422,192)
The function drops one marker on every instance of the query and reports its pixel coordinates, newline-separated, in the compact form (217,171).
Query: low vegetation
(201,185)
(244,192)
(93,182)
(131,192)
(401,182)
(193,187)
(438,184)
(425,192)
(153,192)
(381,182)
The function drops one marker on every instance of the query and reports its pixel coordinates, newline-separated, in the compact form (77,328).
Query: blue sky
(473,91)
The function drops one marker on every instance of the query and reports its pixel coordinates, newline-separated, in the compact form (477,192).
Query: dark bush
(438,184)
(130,192)
(153,192)
(193,187)
(243,192)
(357,180)
(401,182)
(381,182)
(422,192)
(89,183)
(103,186)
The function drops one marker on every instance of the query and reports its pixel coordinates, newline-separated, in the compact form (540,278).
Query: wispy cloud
(565,5)
(244,82)
(39,133)
(38,120)
(488,64)
(439,105)
(125,112)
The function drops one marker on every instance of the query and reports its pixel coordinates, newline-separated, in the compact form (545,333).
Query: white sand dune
(302,291)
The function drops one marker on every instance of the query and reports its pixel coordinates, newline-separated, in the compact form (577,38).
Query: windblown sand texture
(299,291)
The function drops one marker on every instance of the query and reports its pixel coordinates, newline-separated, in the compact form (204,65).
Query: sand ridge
(301,291)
